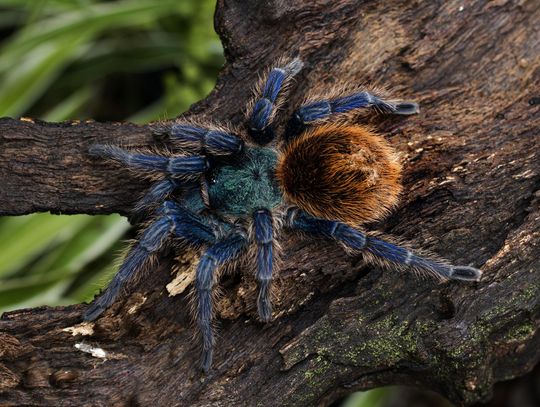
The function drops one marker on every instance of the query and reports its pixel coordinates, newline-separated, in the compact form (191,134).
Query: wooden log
(472,177)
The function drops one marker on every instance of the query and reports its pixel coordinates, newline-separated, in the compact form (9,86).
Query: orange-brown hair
(341,172)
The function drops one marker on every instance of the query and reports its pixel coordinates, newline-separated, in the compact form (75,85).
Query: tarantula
(229,192)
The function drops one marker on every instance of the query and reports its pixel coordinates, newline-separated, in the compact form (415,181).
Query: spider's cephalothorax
(224,192)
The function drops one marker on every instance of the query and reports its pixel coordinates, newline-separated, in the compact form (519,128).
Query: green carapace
(246,185)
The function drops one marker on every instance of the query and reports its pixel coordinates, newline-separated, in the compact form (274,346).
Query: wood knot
(64,377)
(37,375)
(11,348)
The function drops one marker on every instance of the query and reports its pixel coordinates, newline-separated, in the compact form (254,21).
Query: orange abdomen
(341,172)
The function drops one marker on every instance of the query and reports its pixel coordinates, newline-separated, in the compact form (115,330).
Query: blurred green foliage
(136,60)
(373,398)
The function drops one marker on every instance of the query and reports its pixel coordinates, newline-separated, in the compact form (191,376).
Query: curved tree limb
(472,180)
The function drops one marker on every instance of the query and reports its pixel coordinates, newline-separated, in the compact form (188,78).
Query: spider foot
(406,108)
(293,67)
(264,302)
(264,307)
(206,360)
(98,150)
(465,273)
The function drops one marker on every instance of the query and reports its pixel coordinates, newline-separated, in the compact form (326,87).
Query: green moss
(507,305)
(521,333)
(314,375)
(474,347)
(319,372)
(393,341)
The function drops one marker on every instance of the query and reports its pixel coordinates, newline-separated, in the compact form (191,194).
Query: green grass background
(135,60)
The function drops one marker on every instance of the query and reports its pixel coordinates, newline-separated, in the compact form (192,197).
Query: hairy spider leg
(194,139)
(358,241)
(262,221)
(216,255)
(322,109)
(262,113)
(174,166)
(159,192)
(200,139)
(172,219)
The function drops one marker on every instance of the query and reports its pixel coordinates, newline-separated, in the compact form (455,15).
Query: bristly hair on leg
(139,258)
(377,251)
(197,136)
(211,260)
(265,255)
(291,68)
(343,105)
(159,192)
(153,166)
(269,95)
(384,102)
(423,263)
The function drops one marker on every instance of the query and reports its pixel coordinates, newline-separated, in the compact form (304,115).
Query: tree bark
(472,177)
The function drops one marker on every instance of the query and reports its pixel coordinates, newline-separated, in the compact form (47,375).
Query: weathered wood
(472,180)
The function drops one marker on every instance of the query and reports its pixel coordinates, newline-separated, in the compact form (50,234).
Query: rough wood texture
(472,180)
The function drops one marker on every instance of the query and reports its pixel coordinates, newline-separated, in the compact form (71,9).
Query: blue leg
(262,220)
(192,199)
(322,109)
(174,166)
(378,249)
(159,192)
(261,115)
(171,220)
(215,255)
(188,226)
(214,142)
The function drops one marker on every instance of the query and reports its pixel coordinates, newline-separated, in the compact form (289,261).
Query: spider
(226,192)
